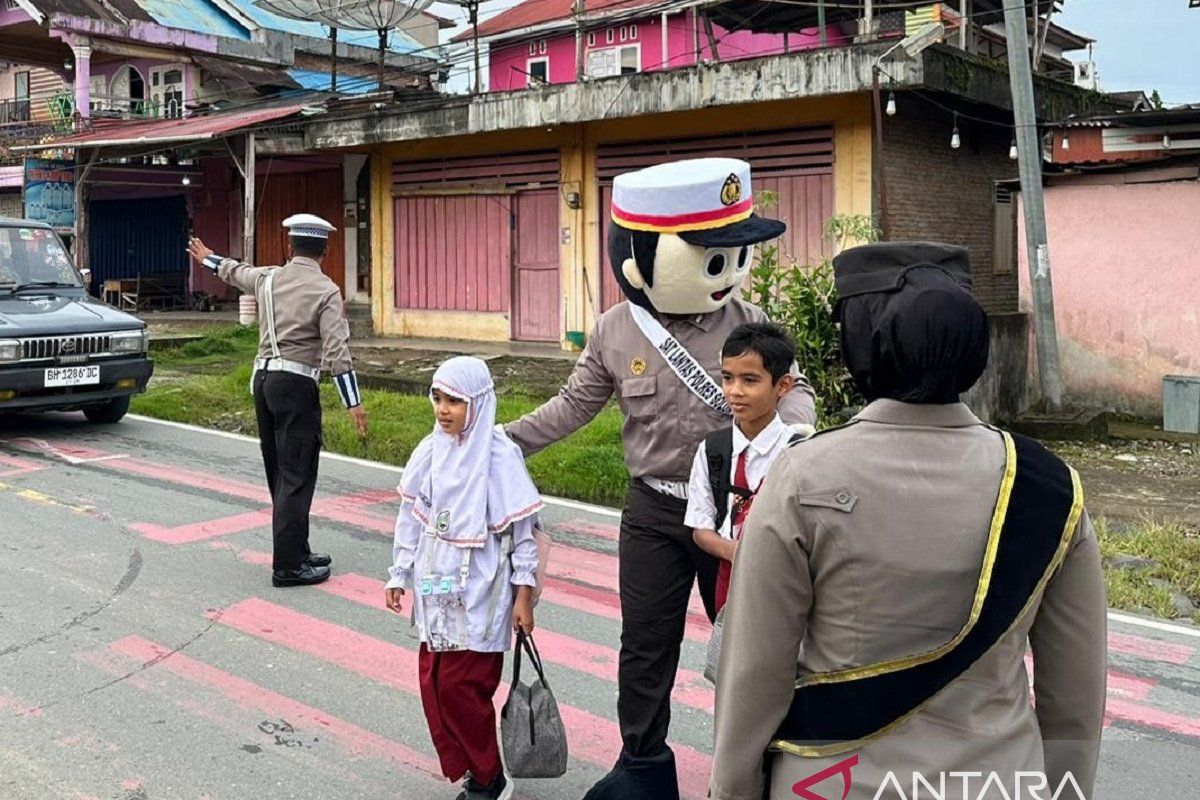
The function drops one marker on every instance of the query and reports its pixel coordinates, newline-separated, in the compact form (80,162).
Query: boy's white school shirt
(760,453)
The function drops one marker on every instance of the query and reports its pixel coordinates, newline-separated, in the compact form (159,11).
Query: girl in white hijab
(465,544)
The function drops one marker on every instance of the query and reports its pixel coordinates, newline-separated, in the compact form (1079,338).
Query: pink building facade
(644,44)
(1125,255)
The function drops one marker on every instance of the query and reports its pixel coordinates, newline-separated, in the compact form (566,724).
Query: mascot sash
(681,362)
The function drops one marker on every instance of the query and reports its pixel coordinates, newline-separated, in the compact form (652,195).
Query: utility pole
(578,41)
(473,8)
(1029,154)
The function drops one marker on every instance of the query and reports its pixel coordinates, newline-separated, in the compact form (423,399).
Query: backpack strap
(718,447)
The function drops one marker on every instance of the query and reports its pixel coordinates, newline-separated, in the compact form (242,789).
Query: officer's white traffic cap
(308,225)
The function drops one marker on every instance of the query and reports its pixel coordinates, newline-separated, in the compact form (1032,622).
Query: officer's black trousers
(659,562)
(289,432)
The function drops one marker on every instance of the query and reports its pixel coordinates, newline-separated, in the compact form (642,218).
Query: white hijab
(473,484)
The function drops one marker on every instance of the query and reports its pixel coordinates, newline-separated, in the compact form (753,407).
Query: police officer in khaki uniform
(894,571)
(302,328)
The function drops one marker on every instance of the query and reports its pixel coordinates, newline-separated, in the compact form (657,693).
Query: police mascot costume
(681,244)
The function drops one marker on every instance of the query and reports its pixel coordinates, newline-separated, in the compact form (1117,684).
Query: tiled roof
(538,12)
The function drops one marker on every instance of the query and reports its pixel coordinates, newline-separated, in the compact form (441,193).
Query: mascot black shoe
(639,778)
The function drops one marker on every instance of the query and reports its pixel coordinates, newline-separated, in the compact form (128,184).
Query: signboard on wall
(50,192)
(603,63)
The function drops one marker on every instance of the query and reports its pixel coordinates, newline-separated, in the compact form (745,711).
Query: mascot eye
(743,257)
(715,265)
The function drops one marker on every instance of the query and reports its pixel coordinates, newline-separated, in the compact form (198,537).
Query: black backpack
(718,447)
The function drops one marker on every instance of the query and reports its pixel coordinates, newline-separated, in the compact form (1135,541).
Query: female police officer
(908,558)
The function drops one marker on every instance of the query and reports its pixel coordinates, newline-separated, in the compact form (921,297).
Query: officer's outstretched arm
(234,272)
(587,390)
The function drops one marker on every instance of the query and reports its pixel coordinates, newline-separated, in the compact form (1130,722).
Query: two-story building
(153,105)
(1122,194)
(490,211)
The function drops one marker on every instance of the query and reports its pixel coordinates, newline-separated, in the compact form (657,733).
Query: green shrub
(801,298)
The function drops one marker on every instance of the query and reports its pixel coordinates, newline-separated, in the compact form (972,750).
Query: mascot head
(683,234)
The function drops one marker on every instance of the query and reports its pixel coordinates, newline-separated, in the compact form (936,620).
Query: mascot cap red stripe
(693,195)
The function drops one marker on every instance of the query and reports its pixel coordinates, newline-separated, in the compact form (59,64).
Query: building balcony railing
(14,111)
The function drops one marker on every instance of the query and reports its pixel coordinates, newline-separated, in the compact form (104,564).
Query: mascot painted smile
(681,245)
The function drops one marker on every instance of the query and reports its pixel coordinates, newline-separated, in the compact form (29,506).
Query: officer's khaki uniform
(310,321)
(865,545)
(302,329)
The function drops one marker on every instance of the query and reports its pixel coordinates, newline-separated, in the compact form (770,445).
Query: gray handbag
(531,729)
(713,656)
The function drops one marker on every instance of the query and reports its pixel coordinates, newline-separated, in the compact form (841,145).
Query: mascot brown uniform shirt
(664,420)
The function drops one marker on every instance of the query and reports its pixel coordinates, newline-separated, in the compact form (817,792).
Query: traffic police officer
(302,329)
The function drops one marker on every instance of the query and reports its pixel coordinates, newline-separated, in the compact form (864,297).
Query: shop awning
(130,133)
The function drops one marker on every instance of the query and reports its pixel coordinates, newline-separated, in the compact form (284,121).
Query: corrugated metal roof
(124,132)
(317,81)
(398,42)
(118,11)
(540,12)
(194,15)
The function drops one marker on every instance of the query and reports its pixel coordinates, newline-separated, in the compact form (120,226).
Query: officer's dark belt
(1037,510)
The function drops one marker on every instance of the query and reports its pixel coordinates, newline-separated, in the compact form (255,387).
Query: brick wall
(941,194)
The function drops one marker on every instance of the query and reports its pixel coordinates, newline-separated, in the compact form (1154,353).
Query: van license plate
(72,376)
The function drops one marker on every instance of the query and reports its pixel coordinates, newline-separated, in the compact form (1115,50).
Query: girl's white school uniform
(468,503)
(415,546)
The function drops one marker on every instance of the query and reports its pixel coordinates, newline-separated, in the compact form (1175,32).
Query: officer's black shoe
(639,778)
(318,560)
(305,576)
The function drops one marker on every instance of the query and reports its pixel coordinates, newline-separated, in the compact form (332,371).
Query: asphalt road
(144,653)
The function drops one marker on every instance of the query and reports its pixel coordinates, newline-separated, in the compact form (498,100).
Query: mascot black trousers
(289,432)
(659,562)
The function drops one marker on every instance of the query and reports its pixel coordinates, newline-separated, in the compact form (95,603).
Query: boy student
(730,463)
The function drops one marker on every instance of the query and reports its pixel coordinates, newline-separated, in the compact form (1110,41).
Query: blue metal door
(131,238)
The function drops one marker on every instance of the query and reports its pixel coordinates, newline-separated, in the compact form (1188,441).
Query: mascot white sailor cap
(705,201)
(308,225)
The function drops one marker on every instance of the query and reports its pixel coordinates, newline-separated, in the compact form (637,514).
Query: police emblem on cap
(731,192)
(637,366)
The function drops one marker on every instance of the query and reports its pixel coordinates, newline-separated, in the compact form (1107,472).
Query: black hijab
(910,328)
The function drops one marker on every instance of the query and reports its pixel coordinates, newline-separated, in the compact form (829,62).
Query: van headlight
(10,350)
(129,342)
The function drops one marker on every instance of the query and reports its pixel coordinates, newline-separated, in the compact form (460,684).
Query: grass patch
(221,346)
(1176,567)
(587,465)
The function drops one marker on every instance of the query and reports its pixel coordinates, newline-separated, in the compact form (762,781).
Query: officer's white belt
(284,365)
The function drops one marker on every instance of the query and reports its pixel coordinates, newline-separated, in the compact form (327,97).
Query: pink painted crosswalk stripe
(1147,717)
(199,531)
(245,490)
(590,529)
(1149,649)
(338,509)
(355,741)
(591,738)
(585,599)
(11,466)
(581,656)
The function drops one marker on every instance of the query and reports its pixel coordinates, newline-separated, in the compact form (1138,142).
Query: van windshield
(34,256)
